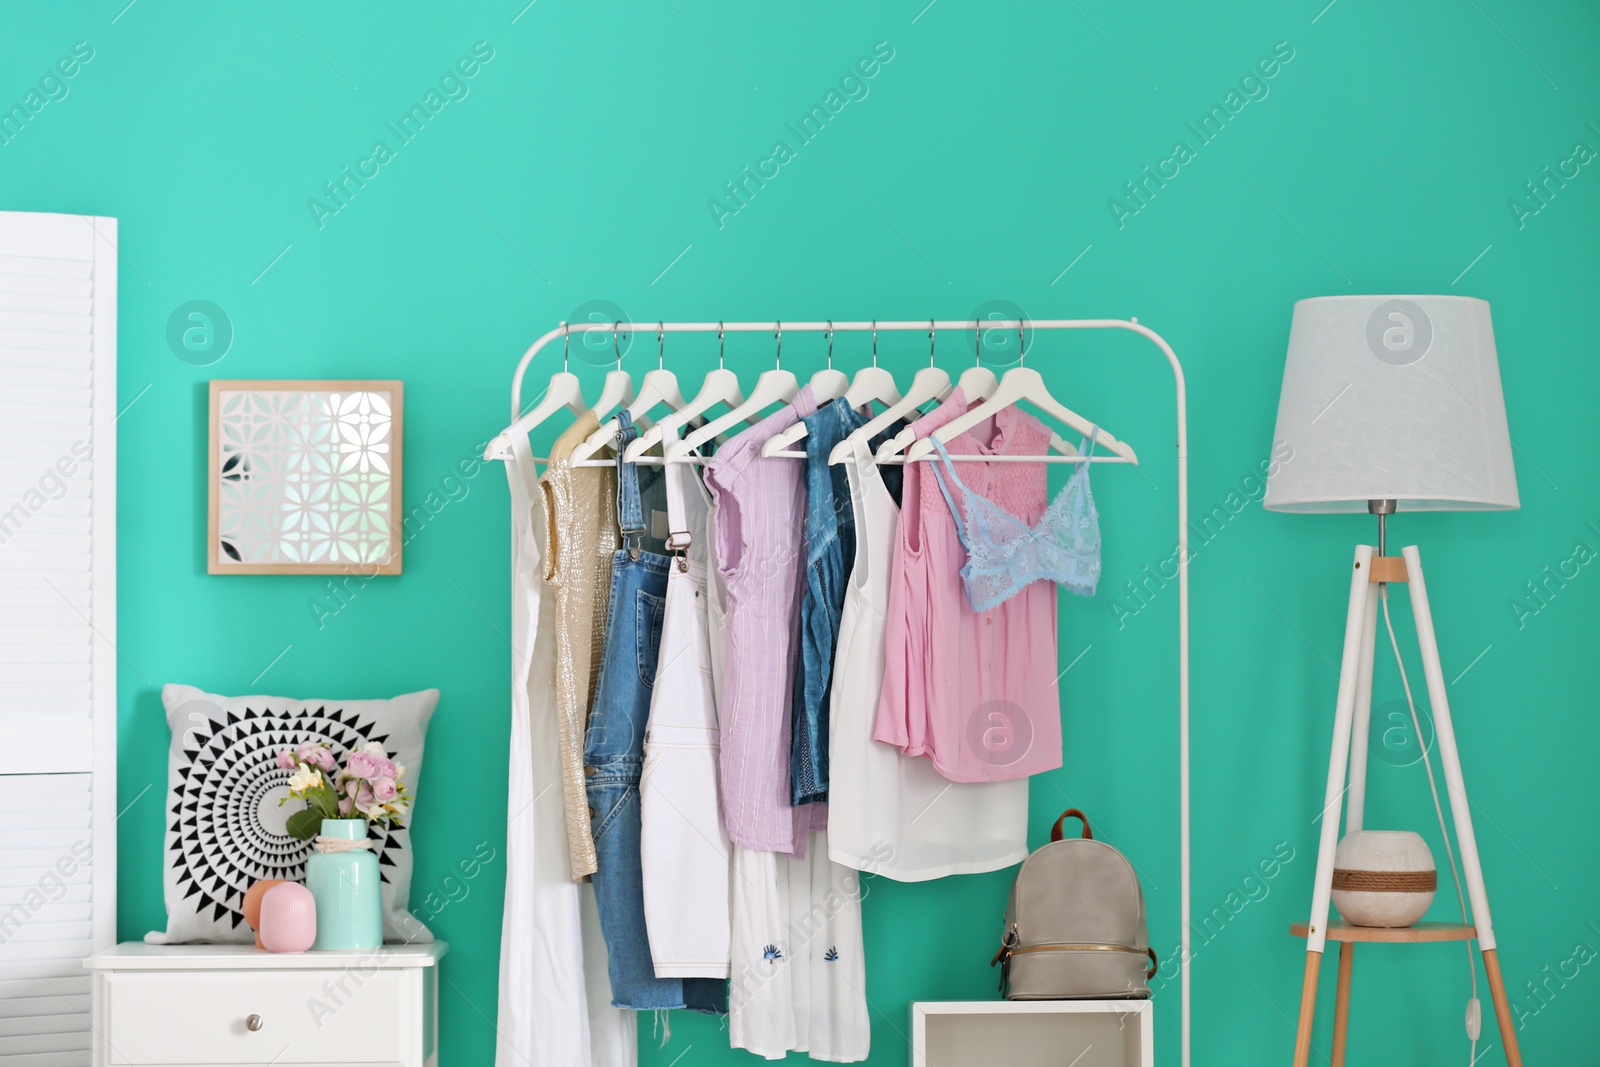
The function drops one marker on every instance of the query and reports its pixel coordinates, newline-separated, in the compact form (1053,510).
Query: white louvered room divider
(58,523)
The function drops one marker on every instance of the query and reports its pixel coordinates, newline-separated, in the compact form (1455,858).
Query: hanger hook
(777,357)
(1022,342)
(830,344)
(661,345)
(930,342)
(720,365)
(566,341)
(874,342)
(615,326)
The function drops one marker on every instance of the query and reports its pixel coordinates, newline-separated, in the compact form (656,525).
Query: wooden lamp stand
(1350,730)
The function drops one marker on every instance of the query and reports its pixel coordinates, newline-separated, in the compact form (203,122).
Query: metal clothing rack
(962,325)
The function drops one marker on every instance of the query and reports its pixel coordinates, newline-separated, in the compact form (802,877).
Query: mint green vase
(347,889)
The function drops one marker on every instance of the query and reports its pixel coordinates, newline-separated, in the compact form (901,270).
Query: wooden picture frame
(312,449)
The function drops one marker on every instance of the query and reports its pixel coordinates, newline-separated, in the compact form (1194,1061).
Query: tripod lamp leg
(1308,1008)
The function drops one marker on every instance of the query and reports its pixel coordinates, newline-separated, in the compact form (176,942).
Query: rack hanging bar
(769,328)
(1131,325)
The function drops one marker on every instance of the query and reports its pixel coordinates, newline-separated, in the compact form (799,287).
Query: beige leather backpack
(1075,924)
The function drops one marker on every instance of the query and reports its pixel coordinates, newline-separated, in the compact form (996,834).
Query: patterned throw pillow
(225,829)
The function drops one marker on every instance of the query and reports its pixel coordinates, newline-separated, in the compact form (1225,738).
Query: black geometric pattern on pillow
(219,844)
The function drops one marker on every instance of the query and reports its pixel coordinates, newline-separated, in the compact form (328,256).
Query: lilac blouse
(759,548)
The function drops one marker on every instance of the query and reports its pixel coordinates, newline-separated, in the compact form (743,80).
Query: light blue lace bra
(1004,554)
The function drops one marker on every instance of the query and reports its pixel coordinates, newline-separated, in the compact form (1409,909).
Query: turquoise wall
(983,160)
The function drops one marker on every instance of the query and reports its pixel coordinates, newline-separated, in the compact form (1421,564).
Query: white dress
(799,981)
(555,996)
(889,813)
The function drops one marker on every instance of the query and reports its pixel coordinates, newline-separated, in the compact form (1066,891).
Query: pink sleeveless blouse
(975,692)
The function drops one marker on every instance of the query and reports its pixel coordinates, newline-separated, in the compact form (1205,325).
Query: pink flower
(364,796)
(286,760)
(384,789)
(316,754)
(345,805)
(385,768)
(362,765)
(352,786)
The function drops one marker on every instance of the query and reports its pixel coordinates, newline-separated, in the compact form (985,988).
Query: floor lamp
(1390,403)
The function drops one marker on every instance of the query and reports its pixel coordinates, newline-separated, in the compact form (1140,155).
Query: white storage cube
(1032,1033)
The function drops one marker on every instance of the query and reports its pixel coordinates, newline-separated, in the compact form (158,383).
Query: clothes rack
(499,449)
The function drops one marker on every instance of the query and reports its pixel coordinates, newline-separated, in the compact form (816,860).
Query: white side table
(1032,1033)
(234,1004)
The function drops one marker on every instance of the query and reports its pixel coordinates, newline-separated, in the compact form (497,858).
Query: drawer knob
(252,1023)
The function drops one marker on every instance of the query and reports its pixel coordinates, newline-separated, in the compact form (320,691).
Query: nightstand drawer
(205,1017)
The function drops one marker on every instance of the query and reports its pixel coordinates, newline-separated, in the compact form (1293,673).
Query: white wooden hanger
(977,383)
(983,383)
(871,385)
(564,391)
(720,387)
(977,378)
(776,386)
(1020,383)
(931,383)
(827,384)
(660,386)
(618,387)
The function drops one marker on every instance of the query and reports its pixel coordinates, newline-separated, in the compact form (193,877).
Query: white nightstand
(234,1004)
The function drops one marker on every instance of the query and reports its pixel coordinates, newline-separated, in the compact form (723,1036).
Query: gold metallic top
(581,537)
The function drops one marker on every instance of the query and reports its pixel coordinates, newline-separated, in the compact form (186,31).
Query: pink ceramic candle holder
(288,918)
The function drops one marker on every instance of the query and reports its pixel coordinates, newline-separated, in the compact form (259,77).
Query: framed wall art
(305,477)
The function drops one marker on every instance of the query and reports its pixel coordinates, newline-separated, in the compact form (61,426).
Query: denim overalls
(613,752)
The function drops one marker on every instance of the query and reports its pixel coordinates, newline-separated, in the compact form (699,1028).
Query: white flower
(375,748)
(307,777)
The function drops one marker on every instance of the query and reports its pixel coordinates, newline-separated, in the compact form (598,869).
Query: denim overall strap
(679,537)
(630,514)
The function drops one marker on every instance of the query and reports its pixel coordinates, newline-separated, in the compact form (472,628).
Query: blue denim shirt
(830,545)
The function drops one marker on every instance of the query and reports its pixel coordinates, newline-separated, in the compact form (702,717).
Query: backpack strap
(1072,813)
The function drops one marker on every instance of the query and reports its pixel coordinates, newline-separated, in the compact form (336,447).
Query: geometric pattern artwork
(305,477)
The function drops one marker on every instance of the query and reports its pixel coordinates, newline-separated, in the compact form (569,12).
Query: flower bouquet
(369,786)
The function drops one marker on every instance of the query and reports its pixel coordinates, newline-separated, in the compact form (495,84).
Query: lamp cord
(1473,1010)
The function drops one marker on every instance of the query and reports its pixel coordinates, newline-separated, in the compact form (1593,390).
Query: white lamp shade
(1391,398)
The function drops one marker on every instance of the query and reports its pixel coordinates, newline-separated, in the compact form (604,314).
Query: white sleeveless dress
(555,994)
(889,813)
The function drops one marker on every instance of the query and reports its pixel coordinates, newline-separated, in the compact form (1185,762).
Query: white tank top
(889,813)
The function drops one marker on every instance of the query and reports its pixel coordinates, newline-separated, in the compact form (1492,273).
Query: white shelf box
(1032,1033)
